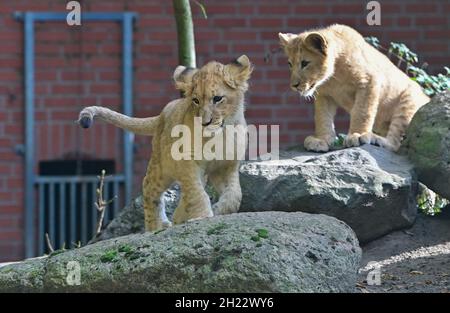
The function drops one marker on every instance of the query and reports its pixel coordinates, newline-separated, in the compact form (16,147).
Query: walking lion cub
(215,93)
(340,69)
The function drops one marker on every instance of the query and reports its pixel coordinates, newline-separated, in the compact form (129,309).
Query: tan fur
(213,79)
(345,71)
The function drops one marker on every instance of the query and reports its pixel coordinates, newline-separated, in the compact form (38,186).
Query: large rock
(244,252)
(371,189)
(427,144)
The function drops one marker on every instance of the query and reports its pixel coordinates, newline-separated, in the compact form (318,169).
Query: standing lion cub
(214,93)
(337,67)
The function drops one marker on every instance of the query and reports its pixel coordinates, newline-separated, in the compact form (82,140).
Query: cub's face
(216,90)
(308,61)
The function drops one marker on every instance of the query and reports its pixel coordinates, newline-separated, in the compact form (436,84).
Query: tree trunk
(185,30)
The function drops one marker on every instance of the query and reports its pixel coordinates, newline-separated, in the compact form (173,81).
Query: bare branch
(49,244)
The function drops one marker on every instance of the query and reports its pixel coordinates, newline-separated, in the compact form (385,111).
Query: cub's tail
(141,126)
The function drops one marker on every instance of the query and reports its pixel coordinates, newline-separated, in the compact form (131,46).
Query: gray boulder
(244,252)
(427,144)
(371,189)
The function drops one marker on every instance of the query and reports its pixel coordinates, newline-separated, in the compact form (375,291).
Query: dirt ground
(413,260)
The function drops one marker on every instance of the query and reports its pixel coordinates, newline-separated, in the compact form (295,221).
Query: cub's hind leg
(226,183)
(153,188)
(401,118)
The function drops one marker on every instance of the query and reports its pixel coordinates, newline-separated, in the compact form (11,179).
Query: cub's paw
(352,140)
(221,209)
(376,140)
(152,226)
(316,144)
(166,224)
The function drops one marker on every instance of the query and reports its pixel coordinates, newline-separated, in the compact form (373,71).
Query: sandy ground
(413,260)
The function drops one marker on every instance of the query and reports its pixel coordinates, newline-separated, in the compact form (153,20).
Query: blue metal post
(127,94)
(29,136)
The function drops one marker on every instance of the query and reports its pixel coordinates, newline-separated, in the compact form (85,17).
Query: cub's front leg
(324,112)
(226,183)
(194,202)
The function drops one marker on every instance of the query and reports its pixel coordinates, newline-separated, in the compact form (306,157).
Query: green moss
(255,238)
(215,230)
(125,248)
(263,233)
(109,256)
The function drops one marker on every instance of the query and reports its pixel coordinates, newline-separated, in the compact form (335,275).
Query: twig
(101,204)
(49,244)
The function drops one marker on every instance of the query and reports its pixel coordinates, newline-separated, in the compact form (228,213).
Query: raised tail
(141,126)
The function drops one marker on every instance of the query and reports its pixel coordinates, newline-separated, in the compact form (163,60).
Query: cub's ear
(182,77)
(317,42)
(237,73)
(286,38)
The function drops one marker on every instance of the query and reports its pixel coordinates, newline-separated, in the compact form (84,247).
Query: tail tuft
(85,119)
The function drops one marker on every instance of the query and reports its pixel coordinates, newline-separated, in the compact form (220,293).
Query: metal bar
(83,219)
(51,215)
(88,16)
(75,179)
(29,135)
(116,194)
(62,215)
(73,209)
(41,212)
(127,92)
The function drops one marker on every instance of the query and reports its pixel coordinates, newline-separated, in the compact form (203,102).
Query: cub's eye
(217,99)
(304,64)
(290,64)
(195,100)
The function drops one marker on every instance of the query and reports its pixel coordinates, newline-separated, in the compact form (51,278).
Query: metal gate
(51,215)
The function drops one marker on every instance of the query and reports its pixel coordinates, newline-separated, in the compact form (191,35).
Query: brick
(348,9)
(428,21)
(301,22)
(157,22)
(421,8)
(301,125)
(219,9)
(312,9)
(274,9)
(104,88)
(8,75)
(267,22)
(264,100)
(229,22)
(292,113)
(258,113)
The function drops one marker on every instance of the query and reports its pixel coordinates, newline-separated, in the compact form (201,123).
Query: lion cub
(215,93)
(337,67)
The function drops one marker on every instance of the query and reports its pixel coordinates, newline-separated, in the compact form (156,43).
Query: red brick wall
(78,66)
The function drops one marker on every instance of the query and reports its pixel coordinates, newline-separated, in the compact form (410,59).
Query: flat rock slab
(371,189)
(427,144)
(244,252)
